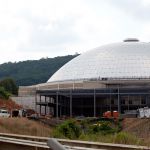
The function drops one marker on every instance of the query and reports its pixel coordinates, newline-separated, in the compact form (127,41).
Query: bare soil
(138,127)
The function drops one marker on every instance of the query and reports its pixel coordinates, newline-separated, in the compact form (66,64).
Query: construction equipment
(111,114)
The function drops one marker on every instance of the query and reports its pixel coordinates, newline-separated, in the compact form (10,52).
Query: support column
(140,101)
(36,102)
(146,100)
(60,105)
(128,103)
(94,103)
(110,99)
(70,103)
(49,106)
(57,104)
(119,100)
(45,106)
(40,104)
(60,109)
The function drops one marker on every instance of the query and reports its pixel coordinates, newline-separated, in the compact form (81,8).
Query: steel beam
(57,105)
(70,103)
(119,101)
(40,105)
(94,103)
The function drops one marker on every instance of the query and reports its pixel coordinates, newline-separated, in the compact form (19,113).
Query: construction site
(110,86)
(113,77)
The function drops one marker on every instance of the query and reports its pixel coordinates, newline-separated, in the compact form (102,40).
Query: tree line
(33,71)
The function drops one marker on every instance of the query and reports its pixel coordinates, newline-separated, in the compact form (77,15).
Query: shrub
(4,94)
(69,129)
(103,131)
(9,85)
(102,127)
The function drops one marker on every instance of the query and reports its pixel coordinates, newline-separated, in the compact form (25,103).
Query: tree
(3,93)
(9,85)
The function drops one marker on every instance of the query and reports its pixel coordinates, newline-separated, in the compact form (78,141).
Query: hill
(32,72)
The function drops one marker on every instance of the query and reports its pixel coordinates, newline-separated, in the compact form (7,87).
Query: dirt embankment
(24,126)
(138,127)
(21,125)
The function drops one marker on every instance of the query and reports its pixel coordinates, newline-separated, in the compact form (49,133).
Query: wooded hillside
(33,71)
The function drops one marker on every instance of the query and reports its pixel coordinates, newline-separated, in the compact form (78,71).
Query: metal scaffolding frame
(67,105)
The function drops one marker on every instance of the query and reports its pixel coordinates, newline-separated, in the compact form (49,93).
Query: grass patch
(126,138)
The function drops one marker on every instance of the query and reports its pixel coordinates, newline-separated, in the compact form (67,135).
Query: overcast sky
(32,29)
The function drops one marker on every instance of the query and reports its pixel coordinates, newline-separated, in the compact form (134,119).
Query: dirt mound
(138,127)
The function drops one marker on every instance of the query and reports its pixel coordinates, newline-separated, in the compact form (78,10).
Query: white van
(4,113)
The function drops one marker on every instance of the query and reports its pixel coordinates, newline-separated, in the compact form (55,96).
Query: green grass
(119,138)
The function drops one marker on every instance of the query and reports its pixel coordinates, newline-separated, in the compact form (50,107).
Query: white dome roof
(129,59)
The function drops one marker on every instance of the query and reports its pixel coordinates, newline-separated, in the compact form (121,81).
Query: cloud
(31,29)
(139,9)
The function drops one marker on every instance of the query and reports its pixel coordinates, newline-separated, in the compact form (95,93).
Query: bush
(103,131)
(85,125)
(102,127)
(4,94)
(9,85)
(69,129)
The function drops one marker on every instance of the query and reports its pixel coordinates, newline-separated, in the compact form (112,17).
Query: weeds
(24,126)
(102,131)
(69,129)
(126,138)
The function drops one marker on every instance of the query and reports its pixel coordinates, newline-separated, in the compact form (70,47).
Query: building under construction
(110,77)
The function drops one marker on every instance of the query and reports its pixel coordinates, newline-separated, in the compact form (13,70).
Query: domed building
(110,77)
(129,59)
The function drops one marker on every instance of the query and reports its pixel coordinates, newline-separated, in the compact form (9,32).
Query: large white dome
(129,59)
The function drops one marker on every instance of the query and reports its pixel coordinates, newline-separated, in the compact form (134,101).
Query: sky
(34,29)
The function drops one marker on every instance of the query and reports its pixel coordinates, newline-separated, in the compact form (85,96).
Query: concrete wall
(28,102)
